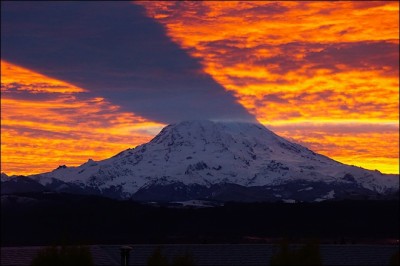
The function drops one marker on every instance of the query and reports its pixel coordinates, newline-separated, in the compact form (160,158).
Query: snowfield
(206,153)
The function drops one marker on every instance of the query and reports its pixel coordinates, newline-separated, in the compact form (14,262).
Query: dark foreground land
(46,219)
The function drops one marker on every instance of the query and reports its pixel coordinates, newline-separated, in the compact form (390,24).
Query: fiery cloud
(369,145)
(326,63)
(41,115)
(324,74)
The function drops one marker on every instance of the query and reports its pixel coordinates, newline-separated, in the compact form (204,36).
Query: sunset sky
(86,80)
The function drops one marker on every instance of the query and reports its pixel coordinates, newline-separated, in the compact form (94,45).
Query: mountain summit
(219,161)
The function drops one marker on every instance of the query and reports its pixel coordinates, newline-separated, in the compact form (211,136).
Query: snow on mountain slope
(4,177)
(207,153)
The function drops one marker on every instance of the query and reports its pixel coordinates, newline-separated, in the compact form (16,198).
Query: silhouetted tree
(284,256)
(157,258)
(307,255)
(395,259)
(66,255)
(186,259)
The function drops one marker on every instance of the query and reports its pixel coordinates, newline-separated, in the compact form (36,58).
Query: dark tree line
(95,220)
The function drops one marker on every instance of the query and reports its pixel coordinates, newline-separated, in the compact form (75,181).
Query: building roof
(216,254)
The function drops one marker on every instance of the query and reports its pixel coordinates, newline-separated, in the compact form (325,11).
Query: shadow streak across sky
(113,50)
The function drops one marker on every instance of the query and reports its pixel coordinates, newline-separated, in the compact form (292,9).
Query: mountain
(225,161)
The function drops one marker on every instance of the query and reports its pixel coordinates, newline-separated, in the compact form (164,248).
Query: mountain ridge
(206,159)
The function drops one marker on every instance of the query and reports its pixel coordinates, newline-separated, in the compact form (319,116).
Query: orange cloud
(12,75)
(294,48)
(46,122)
(369,145)
(320,73)
(299,62)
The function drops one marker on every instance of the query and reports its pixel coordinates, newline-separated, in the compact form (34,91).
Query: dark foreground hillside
(45,219)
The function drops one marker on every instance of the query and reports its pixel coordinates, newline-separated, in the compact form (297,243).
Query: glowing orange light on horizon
(369,145)
(61,128)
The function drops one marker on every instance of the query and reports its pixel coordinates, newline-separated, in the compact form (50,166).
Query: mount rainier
(223,161)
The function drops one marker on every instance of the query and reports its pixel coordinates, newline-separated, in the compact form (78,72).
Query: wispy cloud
(295,63)
(47,122)
(294,49)
(369,145)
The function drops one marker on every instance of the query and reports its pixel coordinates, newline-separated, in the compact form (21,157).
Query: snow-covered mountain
(221,161)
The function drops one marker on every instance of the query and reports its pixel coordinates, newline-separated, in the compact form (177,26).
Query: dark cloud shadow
(115,51)
(363,55)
